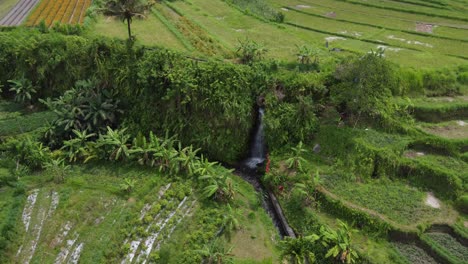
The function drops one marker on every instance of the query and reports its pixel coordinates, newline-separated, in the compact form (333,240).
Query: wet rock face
(261,101)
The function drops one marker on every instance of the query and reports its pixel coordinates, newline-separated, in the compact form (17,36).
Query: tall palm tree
(126,10)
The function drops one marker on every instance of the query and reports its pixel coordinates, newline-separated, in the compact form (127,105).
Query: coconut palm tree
(126,10)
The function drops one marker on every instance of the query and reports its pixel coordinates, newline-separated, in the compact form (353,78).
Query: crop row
(64,11)
(33,19)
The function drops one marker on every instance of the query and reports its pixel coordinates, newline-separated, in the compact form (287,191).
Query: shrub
(259,8)
(462,203)
(364,88)
(86,107)
(249,51)
(439,83)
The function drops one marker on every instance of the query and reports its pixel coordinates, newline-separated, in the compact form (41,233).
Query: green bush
(363,88)
(260,8)
(462,203)
(439,83)
(411,83)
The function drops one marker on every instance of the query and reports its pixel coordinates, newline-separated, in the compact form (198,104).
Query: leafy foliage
(305,54)
(218,185)
(23,90)
(364,88)
(86,107)
(116,143)
(296,160)
(250,51)
(77,148)
(339,243)
(259,8)
(128,185)
(29,152)
(215,252)
(300,250)
(58,169)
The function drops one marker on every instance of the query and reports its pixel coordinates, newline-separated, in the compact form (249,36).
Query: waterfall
(257,149)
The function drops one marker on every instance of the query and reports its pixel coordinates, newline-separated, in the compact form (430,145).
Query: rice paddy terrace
(32,12)
(412,33)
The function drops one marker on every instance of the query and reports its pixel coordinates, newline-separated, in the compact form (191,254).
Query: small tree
(296,160)
(58,169)
(364,89)
(117,142)
(23,90)
(218,186)
(298,250)
(230,222)
(249,51)
(305,53)
(339,243)
(128,185)
(126,10)
(77,147)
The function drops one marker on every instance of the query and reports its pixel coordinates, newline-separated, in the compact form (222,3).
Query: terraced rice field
(63,11)
(18,13)
(414,254)
(450,245)
(414,33)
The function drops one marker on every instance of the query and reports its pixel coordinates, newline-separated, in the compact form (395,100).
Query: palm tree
(126,10)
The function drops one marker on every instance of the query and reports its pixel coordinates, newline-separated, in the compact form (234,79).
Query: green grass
(149,31)
(224,25)
(446,163)
(25,123)
(15,119)
(395,200)
(102,216)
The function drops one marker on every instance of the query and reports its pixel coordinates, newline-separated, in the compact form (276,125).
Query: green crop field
(345,25)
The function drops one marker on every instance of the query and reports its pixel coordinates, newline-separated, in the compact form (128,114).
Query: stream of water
(248,170)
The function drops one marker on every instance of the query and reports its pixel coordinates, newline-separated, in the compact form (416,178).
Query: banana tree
(77,147)
(117,142)
(339,243)
(296,160)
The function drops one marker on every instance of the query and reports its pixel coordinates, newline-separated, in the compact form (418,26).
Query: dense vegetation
(354,149)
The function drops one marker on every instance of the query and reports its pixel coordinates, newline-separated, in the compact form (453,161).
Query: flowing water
(257,148)
(248,170)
